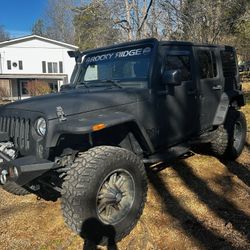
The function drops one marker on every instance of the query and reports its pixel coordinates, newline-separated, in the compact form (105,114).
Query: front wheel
(230,137)
(104,194)
(13,188)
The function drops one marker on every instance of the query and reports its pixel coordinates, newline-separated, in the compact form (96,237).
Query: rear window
(229,65)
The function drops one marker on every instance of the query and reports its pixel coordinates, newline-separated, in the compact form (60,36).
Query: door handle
(217,87)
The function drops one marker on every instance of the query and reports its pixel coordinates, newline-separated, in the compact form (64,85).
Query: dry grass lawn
(194,203)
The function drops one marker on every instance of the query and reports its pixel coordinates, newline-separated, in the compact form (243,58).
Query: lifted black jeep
(127,105)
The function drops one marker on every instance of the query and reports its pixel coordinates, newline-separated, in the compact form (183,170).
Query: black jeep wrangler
(127,105)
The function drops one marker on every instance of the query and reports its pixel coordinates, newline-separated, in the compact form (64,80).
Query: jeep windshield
(119,68)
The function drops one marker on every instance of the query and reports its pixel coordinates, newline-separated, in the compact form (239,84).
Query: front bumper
(24,170)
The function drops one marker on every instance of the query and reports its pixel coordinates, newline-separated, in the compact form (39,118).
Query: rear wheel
(230,137)
(104,194)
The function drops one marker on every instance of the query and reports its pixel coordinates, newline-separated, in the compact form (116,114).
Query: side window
(181,63)
(91,73)
(229,63)
(207,63)
(214,64)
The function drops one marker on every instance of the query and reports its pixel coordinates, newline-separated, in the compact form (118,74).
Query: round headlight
(41,126)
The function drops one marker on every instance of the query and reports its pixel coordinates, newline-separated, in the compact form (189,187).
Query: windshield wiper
(85,84)
(114,82)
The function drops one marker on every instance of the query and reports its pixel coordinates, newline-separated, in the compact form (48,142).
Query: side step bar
(169,154)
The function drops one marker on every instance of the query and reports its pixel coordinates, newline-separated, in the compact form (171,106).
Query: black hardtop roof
(152,41)
(121,45)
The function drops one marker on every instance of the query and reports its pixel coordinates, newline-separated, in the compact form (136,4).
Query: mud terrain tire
(91,175)
(230,137)
(14,188)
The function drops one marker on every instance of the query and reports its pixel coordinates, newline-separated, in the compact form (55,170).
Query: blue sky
(18,16)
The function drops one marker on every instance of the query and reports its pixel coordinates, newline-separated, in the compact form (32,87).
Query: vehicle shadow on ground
(234,167)
(187,221)
(223,208)
(238,169)
(94,233)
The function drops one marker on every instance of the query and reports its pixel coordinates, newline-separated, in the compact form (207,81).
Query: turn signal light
(98,127)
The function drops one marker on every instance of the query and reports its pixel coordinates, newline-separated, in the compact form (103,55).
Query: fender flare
(226,100)
(83,126)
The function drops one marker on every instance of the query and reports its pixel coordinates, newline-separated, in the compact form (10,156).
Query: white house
(33,58)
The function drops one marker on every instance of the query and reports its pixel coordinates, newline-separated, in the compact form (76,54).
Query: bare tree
(4,35)
(131,16)
(202,20)
(39,28)
(94,25)
(59,20)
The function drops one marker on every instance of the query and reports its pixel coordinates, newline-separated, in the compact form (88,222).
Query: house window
(49,67)
(55,68)
(52,67)
(20,63)
(8,64)
(44,66)
(61,67)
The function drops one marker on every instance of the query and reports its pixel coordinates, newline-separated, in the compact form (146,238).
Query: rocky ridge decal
(119,54)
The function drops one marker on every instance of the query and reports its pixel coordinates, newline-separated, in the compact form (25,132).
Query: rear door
(210,84)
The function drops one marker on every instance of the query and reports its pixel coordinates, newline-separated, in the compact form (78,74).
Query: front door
(179,103)
(23,89)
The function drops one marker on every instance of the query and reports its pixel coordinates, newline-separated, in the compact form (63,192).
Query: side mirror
(172,77)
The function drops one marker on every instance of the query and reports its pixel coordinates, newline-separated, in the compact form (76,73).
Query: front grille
(18,130)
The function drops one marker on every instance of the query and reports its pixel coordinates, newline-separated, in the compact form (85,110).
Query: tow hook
(3,176)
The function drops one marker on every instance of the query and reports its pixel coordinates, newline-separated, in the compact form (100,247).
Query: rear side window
(181,63)
(207,63)
(228,63)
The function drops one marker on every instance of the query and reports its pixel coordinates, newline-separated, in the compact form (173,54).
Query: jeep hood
(76,101)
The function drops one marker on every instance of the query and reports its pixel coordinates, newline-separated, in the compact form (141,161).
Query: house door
(23,89)
(53,86)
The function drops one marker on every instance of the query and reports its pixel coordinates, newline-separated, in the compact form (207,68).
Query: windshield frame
(147,48)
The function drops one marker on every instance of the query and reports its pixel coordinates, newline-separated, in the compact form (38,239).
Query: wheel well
(237,101)
(123,135)
(127,135)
